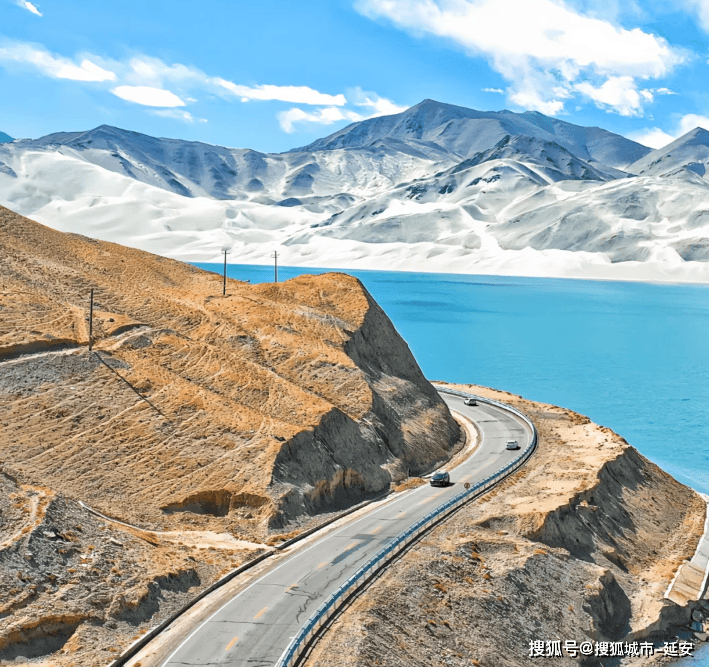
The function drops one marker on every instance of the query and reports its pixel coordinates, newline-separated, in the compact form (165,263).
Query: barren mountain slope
(75,590)
(242,412)
(580,544)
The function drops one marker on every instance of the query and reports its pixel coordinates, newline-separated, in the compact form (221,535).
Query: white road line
(387,505)
(286,562)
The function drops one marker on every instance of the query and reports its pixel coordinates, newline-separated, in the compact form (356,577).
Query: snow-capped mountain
(435,188)
(690,151)
(632,220)
(466,132)
(194,169)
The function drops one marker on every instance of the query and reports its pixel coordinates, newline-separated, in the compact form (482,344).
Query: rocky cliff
(251,410)
(213,423)
(579,545)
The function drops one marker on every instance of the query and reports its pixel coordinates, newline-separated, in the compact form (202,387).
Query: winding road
(254,628)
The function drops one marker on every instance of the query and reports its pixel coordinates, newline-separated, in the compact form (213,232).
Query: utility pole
(224,282)
(275,266)
(91,320)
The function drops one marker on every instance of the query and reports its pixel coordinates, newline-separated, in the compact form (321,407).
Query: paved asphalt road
(254,628)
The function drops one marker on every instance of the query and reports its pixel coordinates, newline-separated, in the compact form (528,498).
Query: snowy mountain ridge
(467,131)
(690,151)
(435,188)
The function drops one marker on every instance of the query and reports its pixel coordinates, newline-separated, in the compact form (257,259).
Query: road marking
(347,526)
(377,529)
(261,613)
(350,546)
(430,498)
(322,565)
(231,643)
(292,586)
(386,505)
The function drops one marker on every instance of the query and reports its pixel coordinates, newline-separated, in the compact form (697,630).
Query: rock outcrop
(247,411)
(208,422)
(580,545)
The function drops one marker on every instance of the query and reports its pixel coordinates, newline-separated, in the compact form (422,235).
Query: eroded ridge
(251,415)
(580,544)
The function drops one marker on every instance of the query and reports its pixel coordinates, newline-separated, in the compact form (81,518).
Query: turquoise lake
(631,356)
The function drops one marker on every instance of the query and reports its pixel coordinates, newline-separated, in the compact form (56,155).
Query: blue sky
(276,75)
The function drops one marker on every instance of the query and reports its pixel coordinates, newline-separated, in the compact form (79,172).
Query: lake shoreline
(364,266)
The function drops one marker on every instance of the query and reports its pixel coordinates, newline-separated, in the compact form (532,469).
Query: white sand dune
(433,189)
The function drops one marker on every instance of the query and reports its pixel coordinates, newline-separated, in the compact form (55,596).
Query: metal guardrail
(336,599)
(143,641)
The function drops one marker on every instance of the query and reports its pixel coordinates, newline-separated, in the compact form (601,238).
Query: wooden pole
(91,320)
(275,267)
(224,283)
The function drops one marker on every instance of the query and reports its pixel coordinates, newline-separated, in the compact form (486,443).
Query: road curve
(255,626)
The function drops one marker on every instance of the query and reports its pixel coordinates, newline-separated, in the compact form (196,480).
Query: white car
(512,444)
(470,401)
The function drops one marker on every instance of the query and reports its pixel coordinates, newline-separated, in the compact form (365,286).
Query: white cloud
(148,96)
(691,121)
(294,94)
(145,70)
(148,71)
(151,82)
(86,71)
(529,98)
(664,91)
(26,4)
(326,116)
(657,138)
(179,114)
(620,93)
(494,90)
(538,45)
(539,29)
(372,105)
(610,10)
(375,104)
(653,137)
(700,8)
(48,64)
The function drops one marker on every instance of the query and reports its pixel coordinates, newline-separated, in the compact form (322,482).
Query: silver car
(512,444)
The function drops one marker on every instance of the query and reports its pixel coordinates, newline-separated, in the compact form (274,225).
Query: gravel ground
(79,590)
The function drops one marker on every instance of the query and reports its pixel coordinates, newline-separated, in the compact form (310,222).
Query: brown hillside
(580,545)
(242,413)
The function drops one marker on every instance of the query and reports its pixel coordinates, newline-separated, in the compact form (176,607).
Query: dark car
(470,401)
(440,478)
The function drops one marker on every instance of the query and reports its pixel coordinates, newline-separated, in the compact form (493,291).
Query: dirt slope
(579,545)
(233,417)
(75,590)
(274,401)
